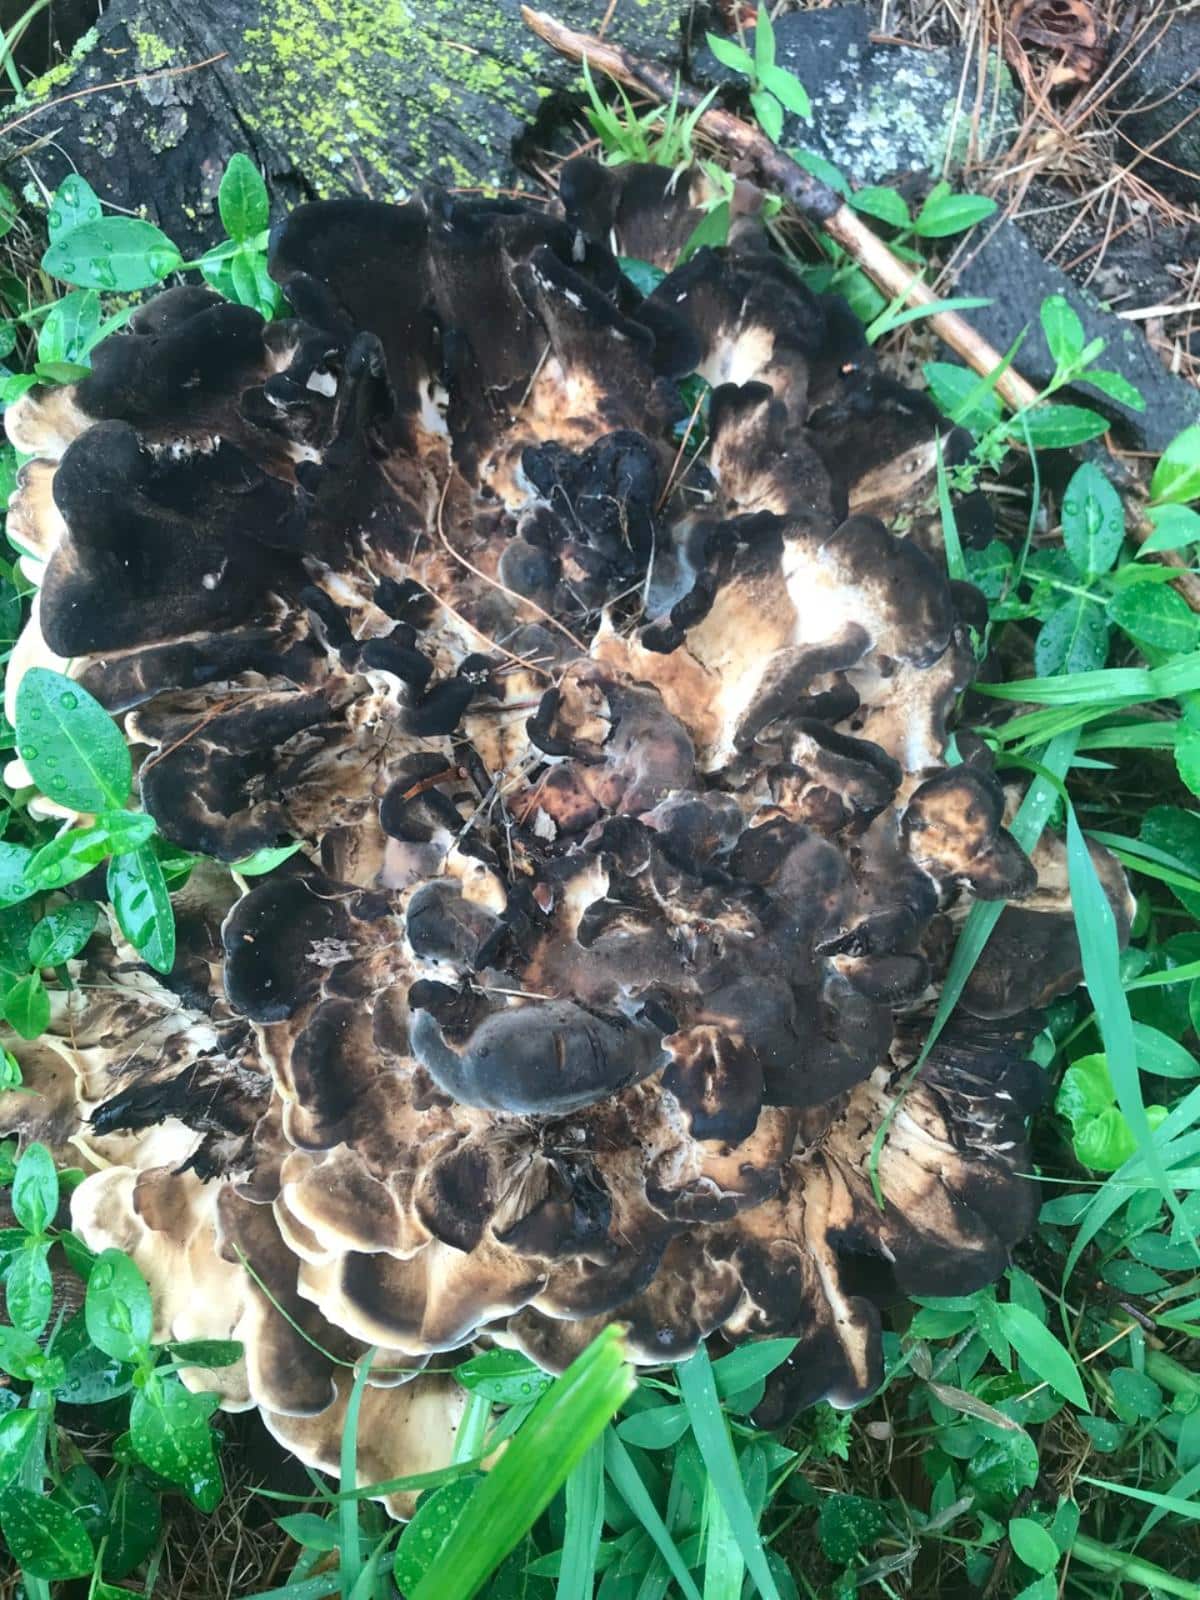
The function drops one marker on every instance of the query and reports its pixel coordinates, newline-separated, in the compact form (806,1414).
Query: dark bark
(337,97)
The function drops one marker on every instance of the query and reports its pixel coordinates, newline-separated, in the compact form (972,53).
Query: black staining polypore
(630,857)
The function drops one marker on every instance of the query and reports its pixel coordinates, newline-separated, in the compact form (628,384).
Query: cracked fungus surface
(630,858)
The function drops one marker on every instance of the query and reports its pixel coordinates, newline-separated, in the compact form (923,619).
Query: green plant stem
(1131,1569)
(1173,1377)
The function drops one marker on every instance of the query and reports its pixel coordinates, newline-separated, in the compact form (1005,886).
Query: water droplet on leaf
(68,701)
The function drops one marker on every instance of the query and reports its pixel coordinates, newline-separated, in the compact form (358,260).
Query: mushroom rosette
(630,853)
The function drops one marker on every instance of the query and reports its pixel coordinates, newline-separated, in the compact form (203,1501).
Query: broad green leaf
(1177,475)
(1055,427)
(730,54)
(208,1352)
(749,1363)
(1093,521)
(1115,387)
(74,203)
(20,1353)
(769,113)
(657,1428)
(424,1536)
(848,1524)
(1041,1351)
(503,1376)
(17,1430)
(956,391)
(72,747)
(944,213)
(242,199)
(134,1523)
(74,853)
(14,865)
(1156,616)
(822,169)
(265,860)
(70,330)
(63,933)
(990,569)
(311,1531)
(29,1288)
(712,229)
(1063,329)
(90,1377)
(142,904)
(115,253)
(35,1189)
(884,204)
(562,1426)
(1074,637)
(764,41)
(117,1307)
(1175,527)
(168,1426)
(1176,833)
(789,91)
(47,1540)
(1187,757)
(643,275)
(27,1006)
(1032,1544)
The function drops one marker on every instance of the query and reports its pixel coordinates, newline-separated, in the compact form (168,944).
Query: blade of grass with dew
(308,1589)
(469,1436)
(1141,860)
(585,1519)
(1159,980)
(1184,1488)
(1166,1502)
(897,314)
(1032,816)
(724,1569)
(1100,952)
(566,1420)
(956,564)
(711,1433)
(350,1552)
(1104,685)
(1160,735)
(626,1481)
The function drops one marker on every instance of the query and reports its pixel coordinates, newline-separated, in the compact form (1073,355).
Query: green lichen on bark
(379,96)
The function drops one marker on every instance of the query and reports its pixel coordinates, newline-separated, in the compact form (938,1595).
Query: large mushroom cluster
(612,721)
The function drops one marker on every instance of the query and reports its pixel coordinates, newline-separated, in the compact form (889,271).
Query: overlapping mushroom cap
(630,854)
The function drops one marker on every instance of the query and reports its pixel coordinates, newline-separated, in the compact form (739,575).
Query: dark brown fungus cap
(628,839)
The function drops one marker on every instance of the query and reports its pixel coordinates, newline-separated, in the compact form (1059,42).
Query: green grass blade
(625,1480)
(724,1569)
(1164,1502)
(709,1428)
(956,564)
(1100,951)
(585,1519)
(564,1423)
(350,1552)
